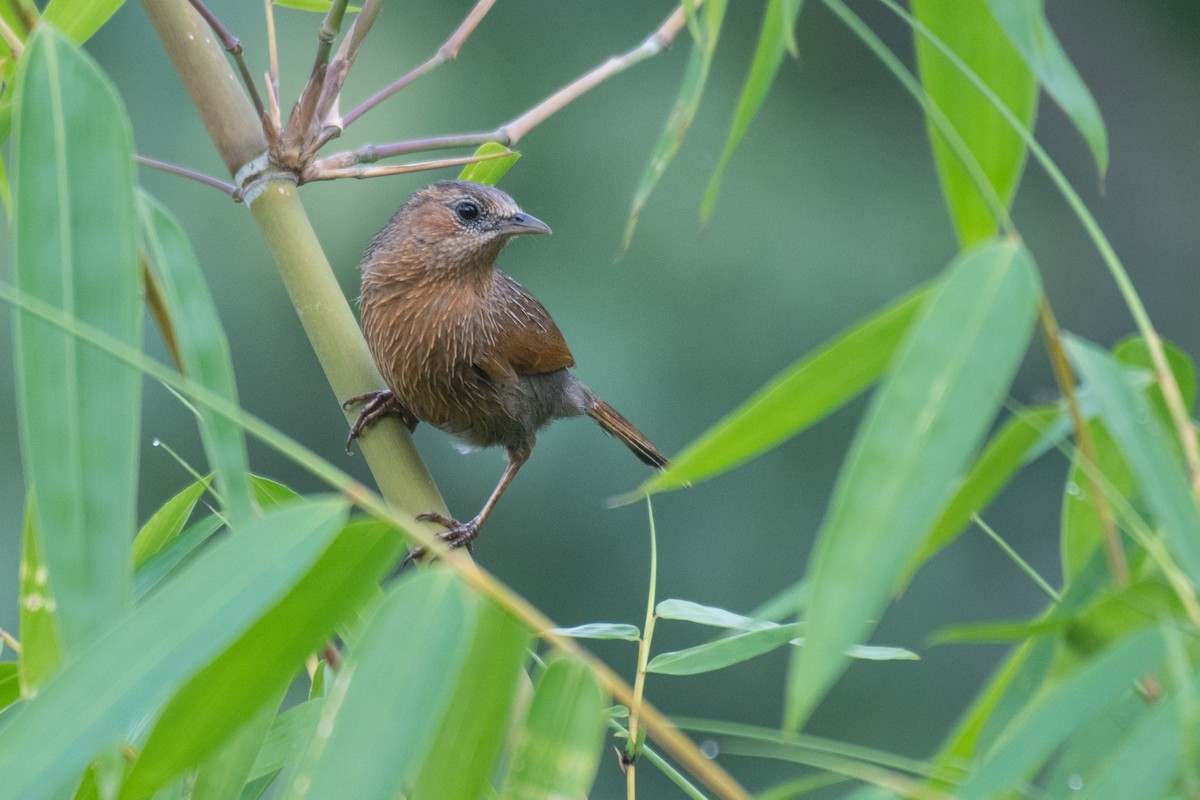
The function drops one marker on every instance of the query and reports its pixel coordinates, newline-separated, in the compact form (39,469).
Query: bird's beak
(523,223)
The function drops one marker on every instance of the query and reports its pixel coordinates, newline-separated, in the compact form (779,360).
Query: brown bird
(460,344)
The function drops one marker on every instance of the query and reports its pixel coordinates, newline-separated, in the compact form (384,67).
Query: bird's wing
(527,340)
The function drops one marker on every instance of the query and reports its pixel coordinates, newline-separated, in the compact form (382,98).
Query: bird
(461,345)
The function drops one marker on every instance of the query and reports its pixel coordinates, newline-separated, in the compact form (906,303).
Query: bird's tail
(623,429)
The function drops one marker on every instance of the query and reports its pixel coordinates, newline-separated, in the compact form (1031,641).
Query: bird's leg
(375,405)
(460,534)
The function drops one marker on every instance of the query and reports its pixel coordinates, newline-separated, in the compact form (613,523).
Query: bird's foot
(457,534)
(375,405)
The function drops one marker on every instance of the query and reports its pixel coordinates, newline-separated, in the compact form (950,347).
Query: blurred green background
(829,210)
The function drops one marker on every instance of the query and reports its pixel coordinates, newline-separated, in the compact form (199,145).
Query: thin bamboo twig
(511,132)
(190,174)
(395,169)
(1117,564)
(1166,378)
(447,52)
(233,46)
(632,751)
(326,112)
(658,726)
(273,64)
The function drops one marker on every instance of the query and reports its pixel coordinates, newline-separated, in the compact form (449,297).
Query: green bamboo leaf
(968,28)
(290,731)
(683,112)
(312,5)
(79,19)
(158,644)
(1057,712)
(725,652)
(602,630)
(380,715)
(1133,352)
(797,398)
(263,661)
(688,611)
(1145,758)
(41,652)
(202,347)
(475,726)
(224,773)
(1157,470)
(491,171)
(75,247)
(1082,527)
(944,388)
(1025,24)
(272,494)
(1001,631)
(559,747)
(774,40)
(173,554)
(166,523)
(1022,439)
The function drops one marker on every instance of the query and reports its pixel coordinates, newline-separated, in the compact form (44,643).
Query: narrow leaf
(203,348)
(157,645)
(1021,440)
(968,28)
(491,171)
(1025,24)
(1082,528)
(688,611)
(602,630)
(379,716)
(683,112)
(266,657)
(475,726)
(289,732)
(559,747)
(166,523)
(173,554)
(725,652)
(1057,712)
(79,19)
(10,684)
(223,774)
(773,41)
(312,5)
(944,389)
(41,652)
(75,247)
(1157,470)
(797,398)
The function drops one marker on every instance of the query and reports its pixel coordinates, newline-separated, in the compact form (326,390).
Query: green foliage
(942,392)
(969,30)
(157,663)
(74,247)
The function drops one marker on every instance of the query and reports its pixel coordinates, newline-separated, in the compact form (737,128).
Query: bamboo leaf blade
(378,718)
(166,523)
(558,749)
(1054,714)
(203,348)
(724,652)
(491,171)
(75,248)
(79,19)
(968,28)
(1025,24)
(263,661)
(774,40)
(687,103)
(41,651)
(602,630)
(157,645)
(1158,472)
(794,400)
(924,423)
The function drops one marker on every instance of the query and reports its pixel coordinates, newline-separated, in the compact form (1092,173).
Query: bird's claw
(375,405)
(457,534)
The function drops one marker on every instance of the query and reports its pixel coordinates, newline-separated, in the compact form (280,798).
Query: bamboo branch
(190,174)
(511,132)
(11,39)
(447,52)
(1117,564)
(395,169)
(233,46)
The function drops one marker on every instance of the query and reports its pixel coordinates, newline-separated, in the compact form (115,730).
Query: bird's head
(453,224)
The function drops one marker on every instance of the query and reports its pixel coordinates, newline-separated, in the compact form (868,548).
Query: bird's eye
(467,211)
